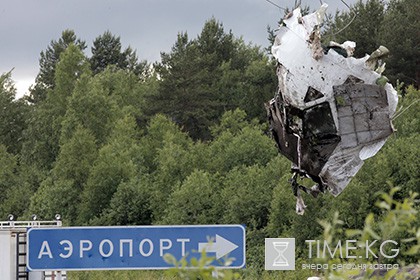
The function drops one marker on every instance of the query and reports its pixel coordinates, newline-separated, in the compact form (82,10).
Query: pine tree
(48,62)
(107,50)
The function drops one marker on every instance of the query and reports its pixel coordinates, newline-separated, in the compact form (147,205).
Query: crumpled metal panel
(363,117)
(363,114)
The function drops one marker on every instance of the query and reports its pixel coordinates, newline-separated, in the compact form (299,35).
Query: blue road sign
(137,247)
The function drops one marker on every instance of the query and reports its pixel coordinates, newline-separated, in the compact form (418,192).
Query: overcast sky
(149,26)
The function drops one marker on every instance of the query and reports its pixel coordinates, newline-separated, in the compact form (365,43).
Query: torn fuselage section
(306,137)
(329,113)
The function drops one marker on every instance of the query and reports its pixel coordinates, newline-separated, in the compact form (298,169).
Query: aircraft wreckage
(332,111)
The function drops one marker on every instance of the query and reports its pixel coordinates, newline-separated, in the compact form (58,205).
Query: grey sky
(149,26)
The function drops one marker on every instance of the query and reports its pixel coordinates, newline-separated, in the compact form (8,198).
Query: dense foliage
(109,140)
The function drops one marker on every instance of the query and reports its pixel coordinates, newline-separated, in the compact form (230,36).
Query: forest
(110,139)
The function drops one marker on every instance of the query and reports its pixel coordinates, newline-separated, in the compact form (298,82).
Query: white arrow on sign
(221,247)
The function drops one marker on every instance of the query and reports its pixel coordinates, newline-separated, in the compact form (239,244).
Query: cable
(274,4)
(351,21)
(400,113)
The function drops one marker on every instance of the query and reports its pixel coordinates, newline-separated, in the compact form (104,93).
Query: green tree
(173,167)
(182,94)
(8,176)
(76,158)
(124,89)
(13,115)
(107,50)
(187,91)
(402,165)
(260,82)
(116,163)
(399,32)
(40,148)
(214,44)
(16,200)
(130,204)
(159,129)
(61,191)
(72,65)
(202,78)
(55,196)
(248,81)
(193,201)
(239,143)
(166,152)
(48,62)
(41,145)
(241,185)
(231,122)
(91,107)
(282,208)
(15,188)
